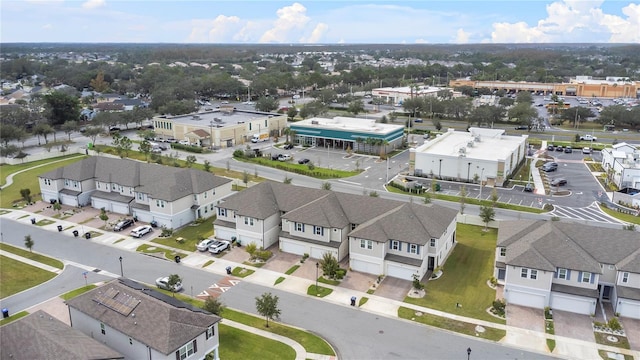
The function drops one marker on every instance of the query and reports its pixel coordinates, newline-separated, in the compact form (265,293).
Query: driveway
(281,261)
(525,317)
(572,325)
(394,288)
(358,281)
(632,329)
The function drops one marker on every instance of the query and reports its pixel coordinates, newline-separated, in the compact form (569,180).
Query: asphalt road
(356,334)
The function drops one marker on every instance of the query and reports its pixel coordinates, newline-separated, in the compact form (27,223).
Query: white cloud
(291,20)
(317,34)
(93,4)
(462,37)
(219,29)
(47,27)
(573,21)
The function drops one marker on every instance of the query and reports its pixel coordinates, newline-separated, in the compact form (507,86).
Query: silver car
(204,244)
(163,283)
(218,247)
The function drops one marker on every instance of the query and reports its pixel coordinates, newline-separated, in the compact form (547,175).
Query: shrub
(499,306)
(614,324)
(340,273)
(493,281)
(304,257)
(166,232)
(251,250)
(264,255)
(416,283)
(547,313)
(238,153)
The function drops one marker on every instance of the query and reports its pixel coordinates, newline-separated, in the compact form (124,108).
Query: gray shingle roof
(378,219)
(41,336)
(159,324)
(548,245)
(160,182)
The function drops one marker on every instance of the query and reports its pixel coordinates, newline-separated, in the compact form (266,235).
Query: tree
(355,107)
(69,127)
(207,166)
(26,195)
(267,104)
(62,107)
(56,206)
(174,279)
(427,198)
(122,143)
(267,306)
(43,129)
(291,114)
(494,197)
(417,285)
(325,186)
(487,214)
(191,159)
(103,216)
(213,305)
(92,133)
(329,265)
(98,84)
(245,178)
(463,199)
(145,148)
(28,242)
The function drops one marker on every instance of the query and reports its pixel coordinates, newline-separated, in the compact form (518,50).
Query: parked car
(550,148)
(418,120)
(528,187)
(559,148)
(218,246)
(204,244)
(141,231)
(284,157)
(550,166)
(303,161)
(288,146)
(123,224)
(163,283)
(184,142)
(558,182)
(586,150)
(568,149)
(522,127)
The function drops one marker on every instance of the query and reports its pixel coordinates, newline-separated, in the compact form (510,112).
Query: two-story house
(42,336)
(314,221)
(142,323)
(171,196)
(569,266)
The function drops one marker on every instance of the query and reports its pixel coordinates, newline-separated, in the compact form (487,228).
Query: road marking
(350,182)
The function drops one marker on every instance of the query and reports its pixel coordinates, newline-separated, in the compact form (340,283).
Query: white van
(140,231)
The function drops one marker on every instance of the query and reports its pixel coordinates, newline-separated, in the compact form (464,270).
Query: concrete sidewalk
(535,341)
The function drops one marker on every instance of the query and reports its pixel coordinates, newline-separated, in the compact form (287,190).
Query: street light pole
(317,267)
(440,170)
(468,353)
(481,182)
(121,272)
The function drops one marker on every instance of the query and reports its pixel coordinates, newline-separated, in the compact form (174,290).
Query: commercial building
(479,155)
(397,95)
(585,86)
(222,127)
(361,135)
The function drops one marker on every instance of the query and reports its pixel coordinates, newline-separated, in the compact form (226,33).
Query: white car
(163,283)
(184,142)
(141,231)
(218,247)
(586,150)
(204,244)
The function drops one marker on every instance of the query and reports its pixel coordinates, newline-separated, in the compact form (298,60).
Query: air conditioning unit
(462,150)
(314,122)
(476,138)
(196,117)
(217,119)
(470,144)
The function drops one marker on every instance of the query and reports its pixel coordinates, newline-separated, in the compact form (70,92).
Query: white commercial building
(480,155)
(397,95)
(622,161)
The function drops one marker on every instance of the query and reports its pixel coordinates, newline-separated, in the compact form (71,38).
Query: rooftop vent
(196,117)
(462,150)
(217,119)
(470,144)
(314,122)
(476,138)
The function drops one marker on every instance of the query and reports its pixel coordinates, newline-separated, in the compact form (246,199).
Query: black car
(303,161)
(123,224)
(550,166)
(528,187)
(288,146)
(559,148)
(522,127)
(568,150)
(551,148)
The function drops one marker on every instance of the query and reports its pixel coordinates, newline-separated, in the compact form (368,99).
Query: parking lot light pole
(121,272)
(481,183)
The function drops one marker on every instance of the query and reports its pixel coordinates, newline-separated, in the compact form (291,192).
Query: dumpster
(33,221)
(228,268)
(75,233)
(87,235)
(5,313)
(59,227)
(177,259)
(437,187)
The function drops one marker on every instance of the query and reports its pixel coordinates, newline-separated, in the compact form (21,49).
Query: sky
(320,22)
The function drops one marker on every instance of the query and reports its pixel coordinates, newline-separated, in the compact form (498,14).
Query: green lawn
(465,275)
(309,341)
(452,325)
(236,344)
(621,216)
(29,180)
(79,291)
(192,234)
(6,170)
(32,256)
(17,276)
(303,169)
(167,253)
(319,291)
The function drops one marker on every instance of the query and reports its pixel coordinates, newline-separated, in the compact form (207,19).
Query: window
(102,329)
(205,194)
(413,249)
(248,221)
(186,351)
(524,273)
(562,274)
(318,230)
(222,212)
(395,245)
(140,196)
(586,277)
(533,274)
(98,185)
(366,244)
(195,197)
(503,251)
(353,226)
(300,227)
(625,277)
(66,182)
(211,331)
(130,341)
(160,203)
(75,184)
(432,242)
(48,182)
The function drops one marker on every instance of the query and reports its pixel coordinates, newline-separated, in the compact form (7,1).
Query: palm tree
(359,141)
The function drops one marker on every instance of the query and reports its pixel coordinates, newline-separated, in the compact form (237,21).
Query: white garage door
(318,253)
(569,303)
(628,308)
(121,208)
(100,203)
(224,233)
(525,299)
(365,266)
(401,272)
(292,247)
(68,200)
